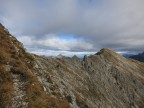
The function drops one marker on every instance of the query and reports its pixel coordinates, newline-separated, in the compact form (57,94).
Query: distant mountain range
(139,57)
(128,55)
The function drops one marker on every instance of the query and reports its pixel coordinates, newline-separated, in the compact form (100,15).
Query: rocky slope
(103,80)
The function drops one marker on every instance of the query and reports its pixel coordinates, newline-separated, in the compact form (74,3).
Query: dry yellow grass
(37,98)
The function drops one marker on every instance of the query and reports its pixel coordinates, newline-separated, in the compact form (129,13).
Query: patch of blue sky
(68,37)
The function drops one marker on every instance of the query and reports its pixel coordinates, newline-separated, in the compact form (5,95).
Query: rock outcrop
(102,80)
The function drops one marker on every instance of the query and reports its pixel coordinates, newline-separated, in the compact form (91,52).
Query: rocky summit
(103,80)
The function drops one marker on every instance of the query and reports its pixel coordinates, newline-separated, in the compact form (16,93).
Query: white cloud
(56,53)
(52,41)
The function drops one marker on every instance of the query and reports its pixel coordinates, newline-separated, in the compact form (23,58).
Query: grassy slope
(14,55)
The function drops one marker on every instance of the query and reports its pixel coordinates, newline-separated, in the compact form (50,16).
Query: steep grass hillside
(20,88)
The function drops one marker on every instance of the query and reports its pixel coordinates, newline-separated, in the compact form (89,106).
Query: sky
(67,27)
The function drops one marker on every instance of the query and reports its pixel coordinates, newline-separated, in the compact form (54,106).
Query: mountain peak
(105,51)
(75,58)
(108,53)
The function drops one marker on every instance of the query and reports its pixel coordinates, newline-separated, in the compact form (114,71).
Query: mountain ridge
(103,80)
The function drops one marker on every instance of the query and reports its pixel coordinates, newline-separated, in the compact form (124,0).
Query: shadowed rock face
(103,80)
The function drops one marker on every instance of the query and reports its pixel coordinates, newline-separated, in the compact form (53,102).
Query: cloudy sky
(52,27)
